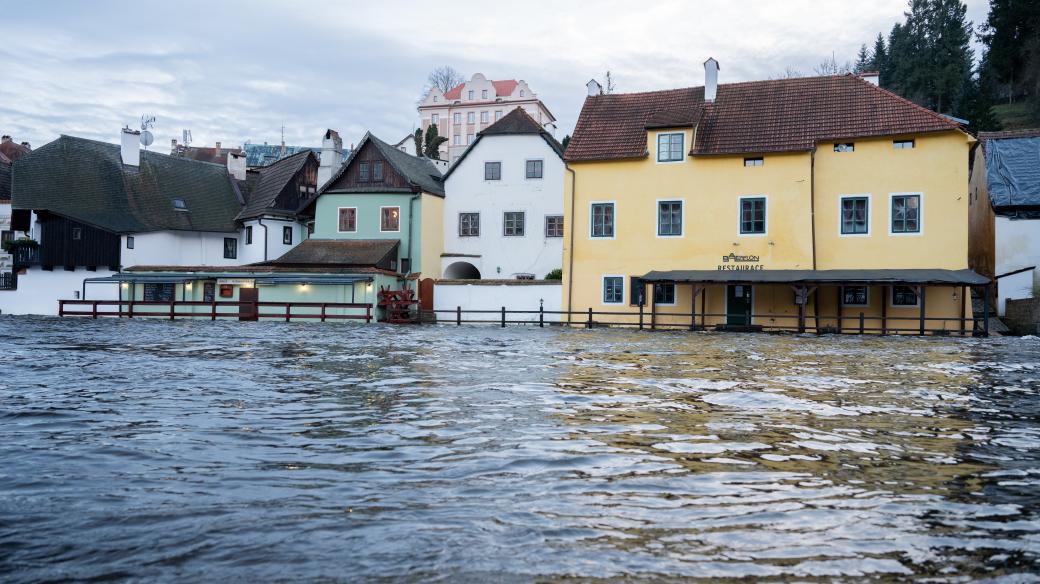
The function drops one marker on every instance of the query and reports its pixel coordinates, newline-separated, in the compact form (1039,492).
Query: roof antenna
(283,140)
(147,122)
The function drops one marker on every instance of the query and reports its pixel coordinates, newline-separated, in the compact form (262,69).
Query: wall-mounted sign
(247,282)
(740,262)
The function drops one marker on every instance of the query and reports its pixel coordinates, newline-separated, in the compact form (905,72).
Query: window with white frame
(613,289)
(469,94)
(554,226)
(854,295)
(456,140)
(752,215)
(533,169)
(664,293)
(471,117)
(603,220)
(457,117)
(483,117)
(855,215)
(513,223)
(347,219)
(483,94)
(390,219)
(469,224)
(469,139)
(670,147)
(434,118)
(906,213)
(498,115)
(669,218)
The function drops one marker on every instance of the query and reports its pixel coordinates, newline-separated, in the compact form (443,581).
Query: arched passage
(462,271)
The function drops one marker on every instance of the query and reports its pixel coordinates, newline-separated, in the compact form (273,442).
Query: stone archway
(462,271)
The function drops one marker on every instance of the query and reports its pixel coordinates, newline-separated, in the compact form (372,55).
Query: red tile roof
(502,89)
(780,115)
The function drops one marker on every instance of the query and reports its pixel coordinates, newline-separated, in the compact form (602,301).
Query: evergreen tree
(418,138)
(566,141)
(879,58)
(864,62)
(434,140)
(1011,65)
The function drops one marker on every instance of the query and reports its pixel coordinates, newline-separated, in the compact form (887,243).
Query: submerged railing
(175,309)
(799,323)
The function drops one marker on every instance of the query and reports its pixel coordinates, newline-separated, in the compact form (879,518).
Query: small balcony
(23,256)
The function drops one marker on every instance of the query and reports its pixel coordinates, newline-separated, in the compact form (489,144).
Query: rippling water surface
(205,451)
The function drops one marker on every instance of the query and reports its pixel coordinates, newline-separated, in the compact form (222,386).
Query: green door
(738,305)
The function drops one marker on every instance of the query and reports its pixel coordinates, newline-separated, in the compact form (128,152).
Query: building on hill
(790,203)
(92,207)
(1005,212)
(503,216)
(470,107)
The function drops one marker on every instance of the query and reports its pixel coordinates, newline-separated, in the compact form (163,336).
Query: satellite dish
(147,138)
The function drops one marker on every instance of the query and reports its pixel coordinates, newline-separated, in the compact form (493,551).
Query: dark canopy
(908,276)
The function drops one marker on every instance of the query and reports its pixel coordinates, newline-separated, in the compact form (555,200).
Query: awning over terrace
(931,277)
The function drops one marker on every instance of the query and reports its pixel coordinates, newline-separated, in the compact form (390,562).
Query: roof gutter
(260,222)
(812,201)
(411,219)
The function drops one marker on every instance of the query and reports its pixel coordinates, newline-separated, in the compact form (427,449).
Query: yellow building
(782,204)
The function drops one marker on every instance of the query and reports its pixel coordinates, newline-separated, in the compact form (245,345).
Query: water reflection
(183,450)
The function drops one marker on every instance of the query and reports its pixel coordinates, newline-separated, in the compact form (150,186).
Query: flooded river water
(238,451)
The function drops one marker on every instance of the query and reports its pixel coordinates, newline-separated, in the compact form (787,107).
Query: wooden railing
(286,311)
(652,320)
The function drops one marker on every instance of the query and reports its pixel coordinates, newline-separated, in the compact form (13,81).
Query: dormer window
(180,205)
(670,147)
(483,94)
(753,161)
(469,94)
(845,147)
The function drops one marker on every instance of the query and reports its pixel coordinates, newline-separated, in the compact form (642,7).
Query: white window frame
(469,94)
(456,118)
(485,117)
(855,305)
(615,216)
(398,230)
(461,213)
(602,287)
(498,115)
(870,214)
(675,294)
(483,94)
(435,118)
(740,206)
(471,117)
(469,139)
(920,214)
(682,218)
(892,297)
(456,140)
(338,211)
(657,147)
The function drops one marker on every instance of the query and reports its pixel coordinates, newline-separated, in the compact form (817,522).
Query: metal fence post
(541,314)
(458,316)
(503,317)
(861,323)
(985,312)
(640,313)
(589,324)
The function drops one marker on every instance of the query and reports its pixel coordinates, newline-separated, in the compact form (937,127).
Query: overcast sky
(238,71)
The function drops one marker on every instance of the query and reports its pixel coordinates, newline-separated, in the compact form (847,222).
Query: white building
(503,209)
(470,107)
(95,207)
(1005,213)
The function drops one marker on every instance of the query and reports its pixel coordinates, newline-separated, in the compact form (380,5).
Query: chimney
(594,87)
(130,150)
(711,79)
(5,139)
(27,146)
(331,156)
(217,147)
(872,77)
(173,146)
(236,164)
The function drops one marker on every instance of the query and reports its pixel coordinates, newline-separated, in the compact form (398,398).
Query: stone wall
(1023,316)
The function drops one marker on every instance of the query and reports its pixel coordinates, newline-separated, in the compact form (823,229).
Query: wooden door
(247,299)
(738,305)
(426,294)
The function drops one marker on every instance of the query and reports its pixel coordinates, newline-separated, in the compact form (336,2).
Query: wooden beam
(884,310)
(841,298)
(920,297)
(964,298)
(704,295)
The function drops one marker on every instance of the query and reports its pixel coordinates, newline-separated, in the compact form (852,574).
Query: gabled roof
(502,88)
(86,180)
(12,150)
(778,115)
(1013,171)
(516,123)
(419,171)
(205,153)
(339,252)
(263,186)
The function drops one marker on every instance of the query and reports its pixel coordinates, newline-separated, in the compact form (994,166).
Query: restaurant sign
(740,262)
(246,282)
